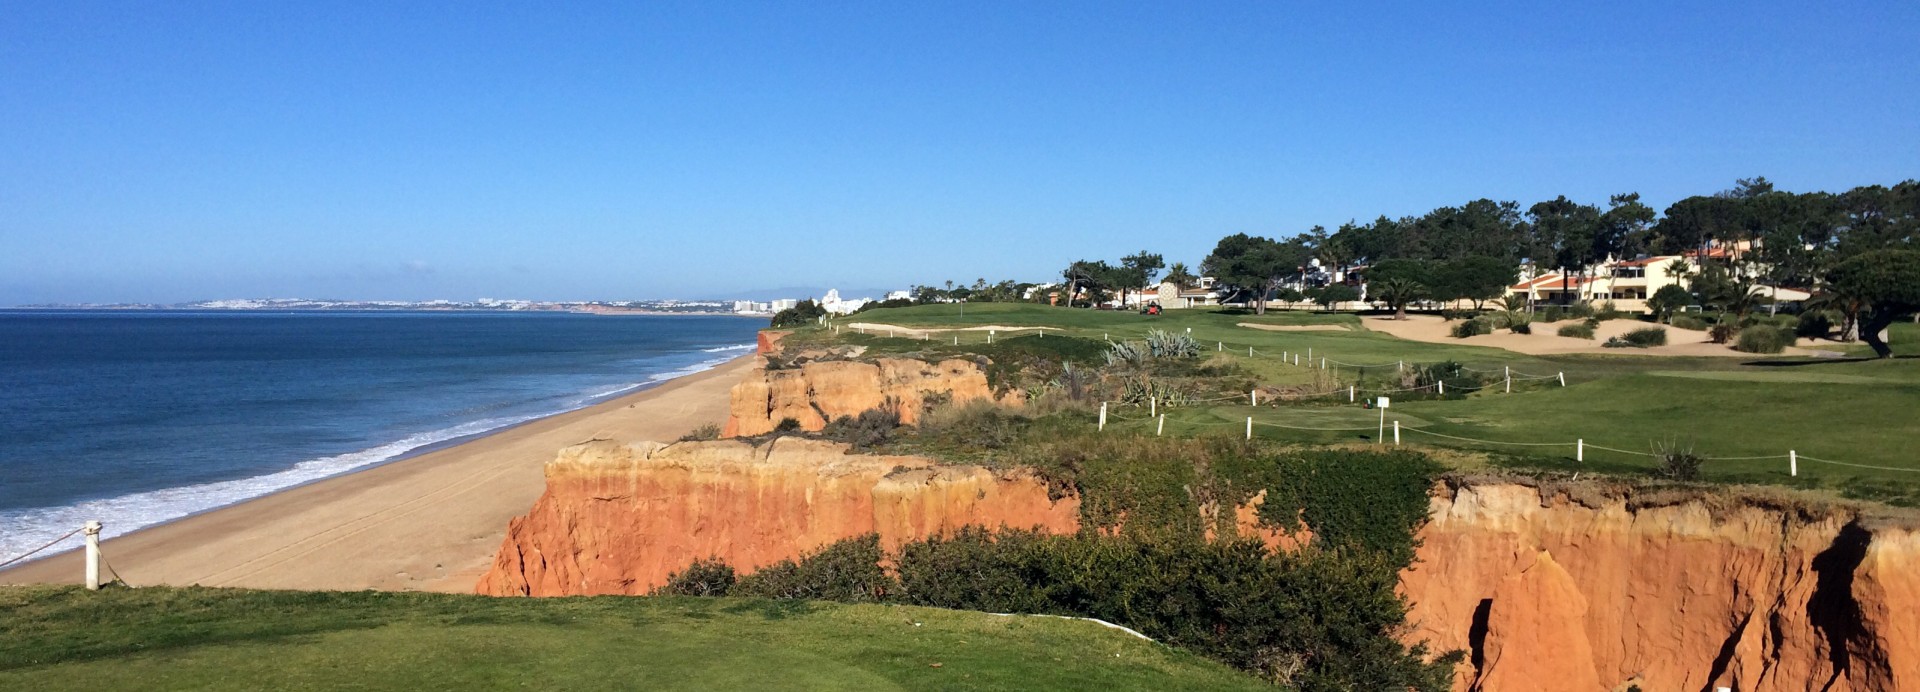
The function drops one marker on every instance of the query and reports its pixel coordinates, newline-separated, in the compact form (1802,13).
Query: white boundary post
(1249,351)
(1563,379)
(1396,433)
(1323,362)
(1249,427)
(1350,398)
(1580,450)
(1443,387)
(989,336)
(1383,427)
(92,530)
(1162,428)
(956,340)
(1153,405)
(1220,346)
(1793,463)
(1253,397)
(1103,415)
(1509,384)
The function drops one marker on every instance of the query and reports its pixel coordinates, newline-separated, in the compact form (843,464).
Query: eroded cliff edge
(1559,588)
(1667,590)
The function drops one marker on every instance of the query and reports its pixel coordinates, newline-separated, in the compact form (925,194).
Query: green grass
(58,638)
(1852,410)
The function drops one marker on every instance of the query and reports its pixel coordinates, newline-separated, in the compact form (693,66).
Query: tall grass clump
(1689,322)
(1763,339)
(1577,330)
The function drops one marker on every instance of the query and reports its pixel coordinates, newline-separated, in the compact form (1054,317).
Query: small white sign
(1383,402)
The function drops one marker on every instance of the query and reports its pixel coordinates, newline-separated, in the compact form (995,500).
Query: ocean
(137,418)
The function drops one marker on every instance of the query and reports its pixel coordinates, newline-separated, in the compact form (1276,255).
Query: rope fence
(94,558)
(36,551)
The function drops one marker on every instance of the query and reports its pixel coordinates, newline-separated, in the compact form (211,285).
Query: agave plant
(1164,345)
(1073,382)
(1138,390)
(1126,353)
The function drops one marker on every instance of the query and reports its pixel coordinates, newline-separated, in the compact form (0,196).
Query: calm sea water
(140,418)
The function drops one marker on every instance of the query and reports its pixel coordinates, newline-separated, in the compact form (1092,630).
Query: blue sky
(182,151)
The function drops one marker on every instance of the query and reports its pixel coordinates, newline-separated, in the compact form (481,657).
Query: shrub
(978,423)
(1677,461)
(1472,327)
(1721,332)
(704,432)
(1580,310)
(1497,321)
(1577,331)
(1608,311)
(847,571)
(1553,313)
(1688,322)
(708,577)
(1520,327)
(872,428)
(1164,345)
(787,425)
(1763,339)
(1814,325)
(1647,336)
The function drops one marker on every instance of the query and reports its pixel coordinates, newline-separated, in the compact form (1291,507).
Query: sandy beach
(427,523)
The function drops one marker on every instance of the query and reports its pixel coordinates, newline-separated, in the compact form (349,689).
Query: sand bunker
(1545,341)
(1295,327)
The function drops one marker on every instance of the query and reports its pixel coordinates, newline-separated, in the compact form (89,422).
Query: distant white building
(834,304)
(900,295)
(782,304)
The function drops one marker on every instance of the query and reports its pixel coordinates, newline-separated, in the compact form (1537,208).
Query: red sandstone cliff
(821,391)
(1552,594)
(619,519)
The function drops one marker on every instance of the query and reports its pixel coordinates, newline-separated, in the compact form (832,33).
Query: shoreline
(428,520)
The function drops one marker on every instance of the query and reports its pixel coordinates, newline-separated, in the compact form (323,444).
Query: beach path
(428,523)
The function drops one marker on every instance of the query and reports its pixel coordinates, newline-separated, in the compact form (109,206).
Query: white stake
(1383,426)
(1509,385)
(989,336)
(1579,450)
(1793,463)
(1153,405)
(1323,362)
(1396,433)
(1249,427)
(1219,346)
(1162,429)
(92,530)
(1443,387)
(1509,370)
(1563,379)
(1309,354)
(1350,394)
(1249,351)
(1253,397)
(1103,415)
(1403,366)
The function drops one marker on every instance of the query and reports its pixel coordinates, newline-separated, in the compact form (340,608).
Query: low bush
(1763,339)
(1608,311)
(1577,331)
(1552,313)
(1677,460)
(1580,310)
(978,423)
(1721,332)
(1647,336)
(1472,327)
(704,432)
(1689,322)
(1520,328)
(847,571)
(1814,325)
(709,577)
(872,428)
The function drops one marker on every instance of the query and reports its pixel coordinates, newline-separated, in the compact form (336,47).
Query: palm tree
(1397,292)
(1178,275)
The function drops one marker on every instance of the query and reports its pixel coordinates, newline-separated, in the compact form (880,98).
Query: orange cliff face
(817,392)
(619,519)
(1550,594)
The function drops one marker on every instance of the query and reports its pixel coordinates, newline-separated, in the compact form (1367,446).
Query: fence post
(1396,433)
(989,336)
(1309,354)
(1249,351)
(1563,379)
(1509,384)
(1793,463)
(1402,367)
(1162,428)
(1443,386)
(1350,398)
(1103,415)
(1253,397)
(1219,346)
(1153,406)
(1509,371)
(1249,427)
(93,555)
(1323,362)
(1580,450)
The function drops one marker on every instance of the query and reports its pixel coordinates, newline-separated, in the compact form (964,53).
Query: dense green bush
(1520,327)
(1689,322)
(1815,324)
(1472,327)
(1580,310)
(704,432)
(847,571)
(800,315)
(871,428)
(1721,332)
(709,577)
(1552,313)
(1763,339)
(1578,330)
(1647,336)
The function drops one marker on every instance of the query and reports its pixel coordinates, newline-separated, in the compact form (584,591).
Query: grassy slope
(1853,411)
(162,638)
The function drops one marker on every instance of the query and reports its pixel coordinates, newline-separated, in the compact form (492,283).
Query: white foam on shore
(28,528)
(724,349)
